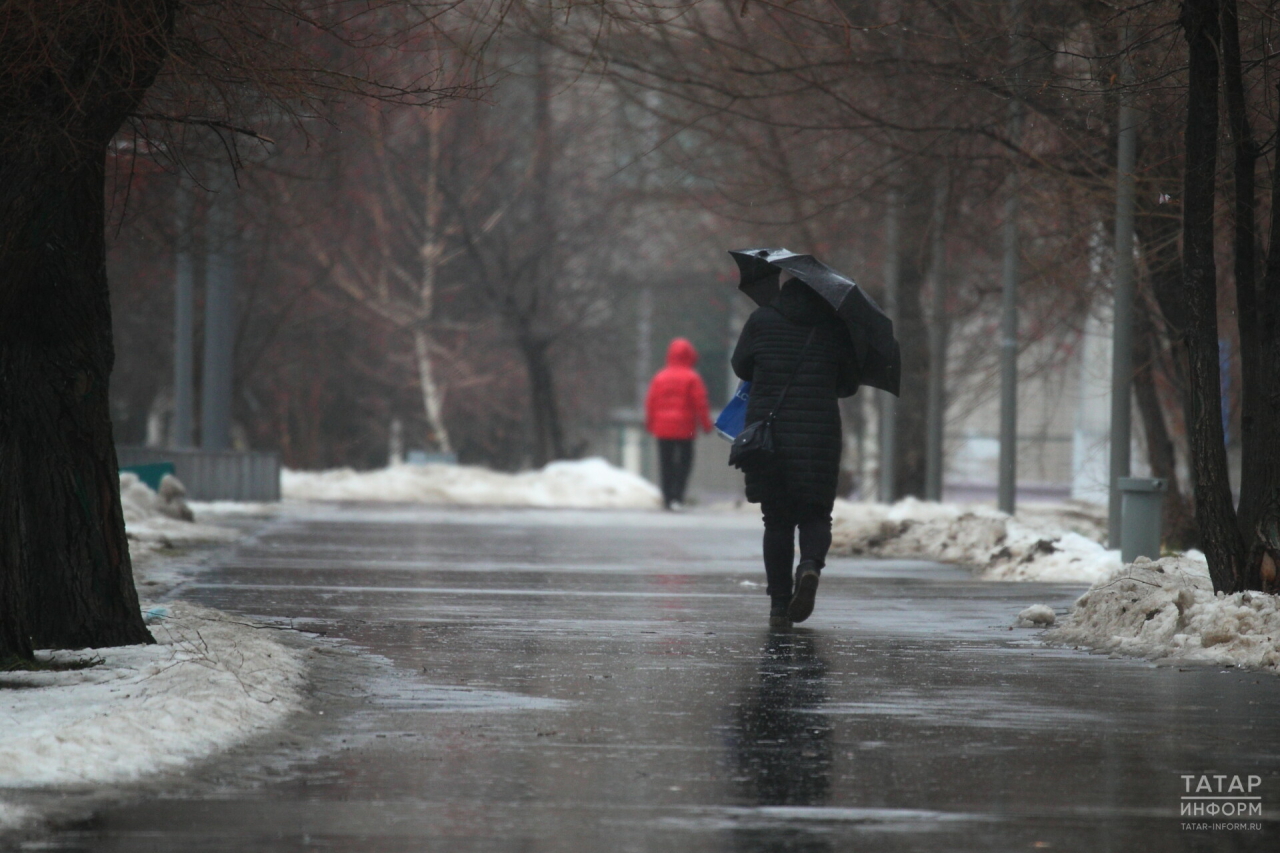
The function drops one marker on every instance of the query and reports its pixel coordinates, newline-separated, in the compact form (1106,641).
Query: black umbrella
(870,328)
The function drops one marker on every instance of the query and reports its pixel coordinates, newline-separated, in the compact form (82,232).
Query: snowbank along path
(1167,609)
(1155,609)
(108,715)
(1053,543)
(209,682)
(578,484)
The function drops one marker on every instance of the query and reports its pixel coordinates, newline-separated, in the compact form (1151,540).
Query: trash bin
(1141,502)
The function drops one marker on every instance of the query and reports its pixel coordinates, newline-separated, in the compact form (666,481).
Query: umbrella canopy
(869,327)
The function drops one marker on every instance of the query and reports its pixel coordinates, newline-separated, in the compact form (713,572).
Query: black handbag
(754,450)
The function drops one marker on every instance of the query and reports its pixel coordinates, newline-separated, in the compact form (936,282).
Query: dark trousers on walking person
(781,521)
(675,461)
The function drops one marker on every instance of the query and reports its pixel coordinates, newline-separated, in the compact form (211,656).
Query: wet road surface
(605,681)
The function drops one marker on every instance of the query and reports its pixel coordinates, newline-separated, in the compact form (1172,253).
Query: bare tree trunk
(1219,533)
(432,397)
(432,250)
(65,576)
(1158,234)
(781,161)
(1262,535)
(15,631)
(59,483)
(548,438)
(1260,473)
(913,404)
(1178,522)
(939,327)
(547,435)
(887,432)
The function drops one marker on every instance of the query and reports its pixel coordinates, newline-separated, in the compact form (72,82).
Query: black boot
(778,617)
(806,590)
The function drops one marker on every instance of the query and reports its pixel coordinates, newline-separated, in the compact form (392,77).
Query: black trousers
(675,461)
(781,521)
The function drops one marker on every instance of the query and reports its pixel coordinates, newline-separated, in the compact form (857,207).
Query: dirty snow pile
(1037,616)
(1168,609)
(208,683)
(579,484)
(12,815)
(1055,543)
(163,518)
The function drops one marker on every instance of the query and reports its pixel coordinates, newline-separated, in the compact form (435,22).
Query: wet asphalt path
(605,681)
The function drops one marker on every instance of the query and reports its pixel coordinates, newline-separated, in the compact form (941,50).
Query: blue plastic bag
(734,416)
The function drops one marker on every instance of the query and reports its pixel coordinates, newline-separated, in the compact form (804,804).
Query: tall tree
(537,219)
(1260,518)
(1219,535)
(1255,317)
(72,72)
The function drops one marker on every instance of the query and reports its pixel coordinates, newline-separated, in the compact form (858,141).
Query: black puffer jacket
(807,429)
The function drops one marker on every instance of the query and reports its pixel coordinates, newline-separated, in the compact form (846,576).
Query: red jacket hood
(681,354)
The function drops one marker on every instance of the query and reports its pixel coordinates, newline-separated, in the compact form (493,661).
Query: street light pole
(1008,465)
(1122,340)
(219,311)
(182,432)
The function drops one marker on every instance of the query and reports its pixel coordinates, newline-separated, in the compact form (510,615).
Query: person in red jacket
(674,409)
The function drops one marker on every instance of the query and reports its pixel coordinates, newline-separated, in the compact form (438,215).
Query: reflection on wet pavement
(782,745)
(578,681)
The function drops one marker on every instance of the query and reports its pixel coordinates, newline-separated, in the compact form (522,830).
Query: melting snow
(580,484)
(12,816)
(162,518)
(209,682)
(1168,609)
(1046,543)
(1037,616)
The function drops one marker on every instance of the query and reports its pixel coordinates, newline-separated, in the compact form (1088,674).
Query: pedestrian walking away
(674,410)
(798,345)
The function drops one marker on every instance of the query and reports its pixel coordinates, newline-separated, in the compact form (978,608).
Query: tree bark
(432,396)
(887,423)
(547,434)
(66,576)
(1262,535)
(911,418)
(1178,520)
(58,468)
(1219,533)
(1253,430)
(939,329)
(15,632)
(1158,233)
(548,437)
(432,250)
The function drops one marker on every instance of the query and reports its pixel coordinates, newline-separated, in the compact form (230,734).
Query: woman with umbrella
(801,354)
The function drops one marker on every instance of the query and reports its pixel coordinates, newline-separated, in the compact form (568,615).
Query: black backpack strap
(794,371)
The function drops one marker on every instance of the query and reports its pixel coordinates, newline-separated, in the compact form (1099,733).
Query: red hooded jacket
(676,404)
